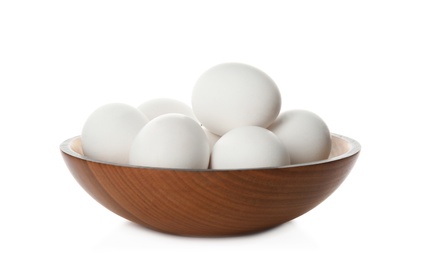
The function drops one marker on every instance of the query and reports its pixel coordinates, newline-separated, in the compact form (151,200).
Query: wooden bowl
(211,202)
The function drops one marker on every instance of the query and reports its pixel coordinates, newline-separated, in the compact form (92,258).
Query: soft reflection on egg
(231,95)
(171,141)
(305,135)
(109,131)
(211,138)
(249,147)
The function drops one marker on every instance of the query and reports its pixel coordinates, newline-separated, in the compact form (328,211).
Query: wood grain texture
(211,202)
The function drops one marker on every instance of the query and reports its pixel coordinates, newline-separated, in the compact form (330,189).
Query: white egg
(305,135)
(231,95)
(160,106)
(109,131)
(211,138)
(171,141)
(249,147)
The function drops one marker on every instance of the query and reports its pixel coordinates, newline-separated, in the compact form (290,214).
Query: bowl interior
(341,147)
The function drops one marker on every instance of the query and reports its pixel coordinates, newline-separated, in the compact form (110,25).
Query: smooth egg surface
(160,106)
(231,95)
(211,138)
(305,135)
(249,147)
(109,131)
(171,141)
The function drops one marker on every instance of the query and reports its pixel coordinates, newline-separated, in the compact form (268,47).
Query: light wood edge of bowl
(342,147)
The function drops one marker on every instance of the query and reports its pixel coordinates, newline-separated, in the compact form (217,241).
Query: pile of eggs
(235,123)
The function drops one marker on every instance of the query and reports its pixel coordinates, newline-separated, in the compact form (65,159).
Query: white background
(358,64)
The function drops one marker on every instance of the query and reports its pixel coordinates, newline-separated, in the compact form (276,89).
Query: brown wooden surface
(211,203)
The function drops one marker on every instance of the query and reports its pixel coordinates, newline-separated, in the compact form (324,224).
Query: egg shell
(171,141)
(231,95)
(305,135)
(160,106)
(211,138)
(249,147)
(109,131)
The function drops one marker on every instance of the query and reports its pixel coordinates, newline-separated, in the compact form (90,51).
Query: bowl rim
(354,147)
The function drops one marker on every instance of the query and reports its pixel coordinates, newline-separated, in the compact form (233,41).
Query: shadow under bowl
(211,202)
